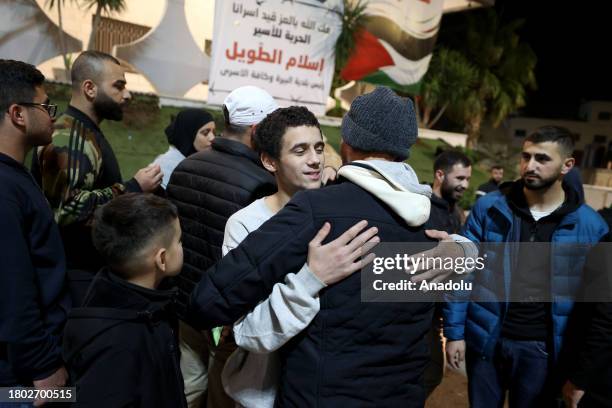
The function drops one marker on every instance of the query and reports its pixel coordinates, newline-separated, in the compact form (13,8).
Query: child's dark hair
(128,224)
(269,133)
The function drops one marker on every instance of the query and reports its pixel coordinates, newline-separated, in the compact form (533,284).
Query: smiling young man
(514,345)
(33,299)
(78,170)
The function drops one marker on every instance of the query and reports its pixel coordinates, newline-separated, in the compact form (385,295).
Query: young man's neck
(277,201)
(545,199)
(85,107)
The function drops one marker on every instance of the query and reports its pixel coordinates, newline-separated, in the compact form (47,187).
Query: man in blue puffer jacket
(514,346)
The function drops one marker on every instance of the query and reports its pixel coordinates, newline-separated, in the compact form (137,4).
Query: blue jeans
(520,367)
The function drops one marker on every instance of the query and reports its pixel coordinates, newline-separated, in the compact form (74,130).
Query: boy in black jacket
(121,346)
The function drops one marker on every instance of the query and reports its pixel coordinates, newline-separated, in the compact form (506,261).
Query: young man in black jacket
(33,296)
(452,173)
(121,345)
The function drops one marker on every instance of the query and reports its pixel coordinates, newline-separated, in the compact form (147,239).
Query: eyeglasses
(49,107)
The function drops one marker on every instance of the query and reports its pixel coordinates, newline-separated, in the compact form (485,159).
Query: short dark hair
(447,159)
(128,224)
(18,82)
(89,65)
(556,134)
(269,133)
(497,167)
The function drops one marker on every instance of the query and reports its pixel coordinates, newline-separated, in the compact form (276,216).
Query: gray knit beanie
(381,121)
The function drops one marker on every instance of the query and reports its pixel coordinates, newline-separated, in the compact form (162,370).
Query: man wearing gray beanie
(381,122)
(353,353)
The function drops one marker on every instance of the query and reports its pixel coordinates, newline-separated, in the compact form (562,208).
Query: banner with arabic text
(283,46)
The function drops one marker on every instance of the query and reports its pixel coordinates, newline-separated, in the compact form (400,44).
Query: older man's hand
(447,248)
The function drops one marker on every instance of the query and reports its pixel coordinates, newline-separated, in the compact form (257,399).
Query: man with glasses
(33,297)
(78,171)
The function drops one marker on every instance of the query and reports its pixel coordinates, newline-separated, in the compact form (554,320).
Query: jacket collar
(9,161)
(82,117)
(501,204)
(440,202)
(109,289)
(235,149)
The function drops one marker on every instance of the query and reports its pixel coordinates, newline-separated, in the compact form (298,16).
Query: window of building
(113,32)
(604,116)
(520,133)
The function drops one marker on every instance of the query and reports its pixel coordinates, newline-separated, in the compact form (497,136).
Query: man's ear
(160,259)
(439,175)
(16,114)
(568,164)
(269,163)
(90,89)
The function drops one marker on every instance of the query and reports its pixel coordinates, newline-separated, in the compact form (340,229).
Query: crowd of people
(227,272)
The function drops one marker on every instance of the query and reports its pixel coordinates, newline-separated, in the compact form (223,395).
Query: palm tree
(449,78)
(106,6)
(505,70)
(62,36)
(353,20)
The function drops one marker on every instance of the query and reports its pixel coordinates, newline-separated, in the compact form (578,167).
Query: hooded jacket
(121,347)
(353,353)
(493,220)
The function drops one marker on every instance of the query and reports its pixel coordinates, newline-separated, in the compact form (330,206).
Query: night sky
(573,42)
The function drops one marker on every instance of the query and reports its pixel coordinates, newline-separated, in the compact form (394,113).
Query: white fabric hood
(396,184)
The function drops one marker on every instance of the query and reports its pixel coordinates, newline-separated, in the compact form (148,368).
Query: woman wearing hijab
(193,130)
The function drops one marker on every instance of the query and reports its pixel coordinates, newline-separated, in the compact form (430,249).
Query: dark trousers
(518,367)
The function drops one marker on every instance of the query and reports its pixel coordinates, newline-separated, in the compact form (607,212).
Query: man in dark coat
(452,173)
(33,294)
(497,175)
(354,353)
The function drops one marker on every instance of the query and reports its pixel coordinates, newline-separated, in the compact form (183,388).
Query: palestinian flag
(396,45)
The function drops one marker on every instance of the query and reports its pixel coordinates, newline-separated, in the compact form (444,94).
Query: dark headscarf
(182,131)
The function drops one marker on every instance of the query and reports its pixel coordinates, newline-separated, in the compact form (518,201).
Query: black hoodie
(121,347)
(529,320)
(443,216)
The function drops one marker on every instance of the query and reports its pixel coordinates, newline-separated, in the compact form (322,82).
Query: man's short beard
(540,184)
(106,108)
(447,194)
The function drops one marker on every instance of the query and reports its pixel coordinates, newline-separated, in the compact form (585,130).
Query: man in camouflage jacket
(78,171)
